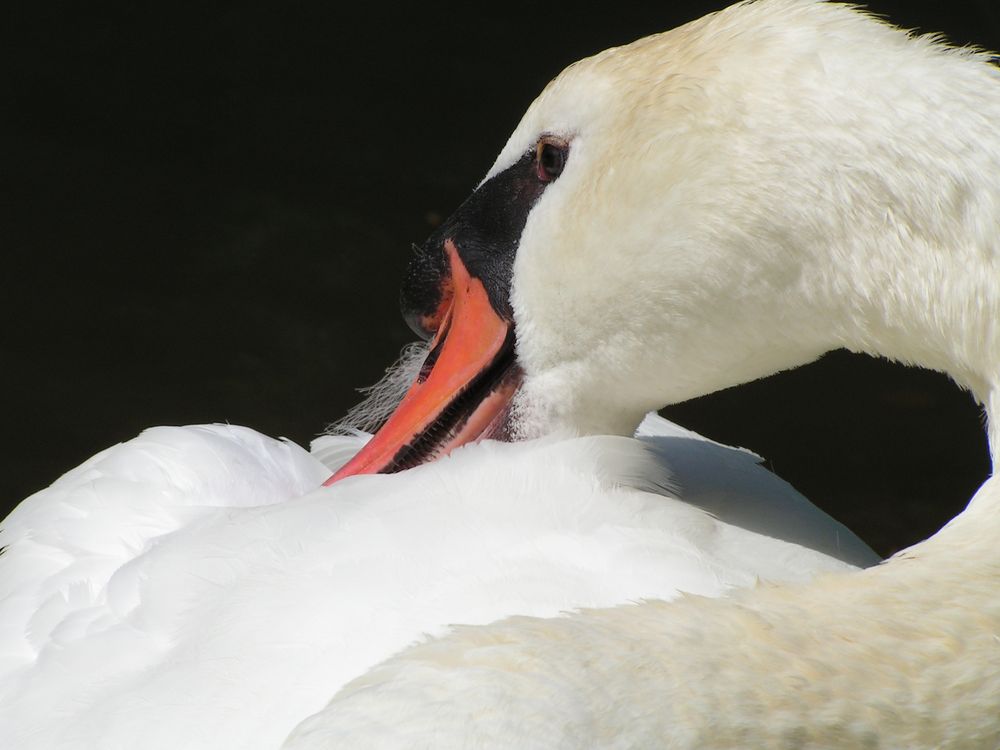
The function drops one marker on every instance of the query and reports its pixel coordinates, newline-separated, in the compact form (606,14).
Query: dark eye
(550,158)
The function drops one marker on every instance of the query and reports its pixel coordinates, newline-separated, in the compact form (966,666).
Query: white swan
(723,201)
(188,589)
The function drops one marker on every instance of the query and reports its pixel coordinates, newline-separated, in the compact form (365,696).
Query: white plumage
(741,195)
(191,588)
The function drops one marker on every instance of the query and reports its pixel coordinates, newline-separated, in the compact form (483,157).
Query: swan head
(698,209)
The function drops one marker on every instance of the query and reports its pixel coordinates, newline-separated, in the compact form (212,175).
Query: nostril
(427,291)
(425,323)
(416,325)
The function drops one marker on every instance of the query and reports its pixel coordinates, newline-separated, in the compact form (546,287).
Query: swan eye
(550,158)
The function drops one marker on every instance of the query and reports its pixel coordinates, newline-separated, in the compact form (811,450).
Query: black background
(208,212)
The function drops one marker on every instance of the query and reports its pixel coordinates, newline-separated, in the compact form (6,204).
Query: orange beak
(464,388)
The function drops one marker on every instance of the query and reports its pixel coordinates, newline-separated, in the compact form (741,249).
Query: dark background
(208,213)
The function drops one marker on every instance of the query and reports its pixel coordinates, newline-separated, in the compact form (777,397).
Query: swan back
(191,580)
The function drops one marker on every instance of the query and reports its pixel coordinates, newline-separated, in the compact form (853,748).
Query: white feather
(191,588)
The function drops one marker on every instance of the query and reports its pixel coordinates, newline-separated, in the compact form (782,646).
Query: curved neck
(896,218)
(925,291)
(935,309)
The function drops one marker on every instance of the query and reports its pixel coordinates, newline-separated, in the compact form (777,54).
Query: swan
(682,214)
(198,587)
